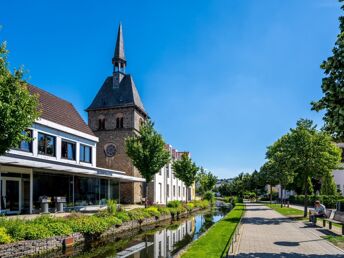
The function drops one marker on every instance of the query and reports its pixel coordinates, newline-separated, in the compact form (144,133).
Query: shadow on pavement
(263,221)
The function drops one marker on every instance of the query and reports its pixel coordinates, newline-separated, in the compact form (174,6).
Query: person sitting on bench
(318,212)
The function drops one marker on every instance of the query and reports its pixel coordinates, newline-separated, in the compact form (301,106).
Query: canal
(162,240)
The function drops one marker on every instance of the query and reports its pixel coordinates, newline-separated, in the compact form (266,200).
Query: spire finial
(119,57)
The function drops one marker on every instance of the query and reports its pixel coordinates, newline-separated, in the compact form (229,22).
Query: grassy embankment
(215,242)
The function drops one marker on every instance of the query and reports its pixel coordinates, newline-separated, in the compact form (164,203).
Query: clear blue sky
(222,79)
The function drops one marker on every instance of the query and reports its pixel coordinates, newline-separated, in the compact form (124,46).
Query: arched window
(101,123)
(119,121)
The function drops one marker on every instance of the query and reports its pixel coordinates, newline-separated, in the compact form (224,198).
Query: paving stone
(266,233)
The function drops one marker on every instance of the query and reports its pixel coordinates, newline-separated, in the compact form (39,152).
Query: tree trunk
(270,194)
(186,194)
(281,196)
(146,199)
(306,199)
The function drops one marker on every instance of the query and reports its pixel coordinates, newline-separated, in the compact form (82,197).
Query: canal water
(162,240)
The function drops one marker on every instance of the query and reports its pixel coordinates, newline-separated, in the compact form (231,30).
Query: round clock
(110,150)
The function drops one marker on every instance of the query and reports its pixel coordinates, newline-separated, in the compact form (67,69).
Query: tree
(147,152)
(328,186)
(311,154)
(267,174)
(206,180)
(18,108)
(185,170)
(225,189)
(333,88)
(281,163)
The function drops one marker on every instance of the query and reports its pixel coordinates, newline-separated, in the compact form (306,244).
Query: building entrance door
(10,195)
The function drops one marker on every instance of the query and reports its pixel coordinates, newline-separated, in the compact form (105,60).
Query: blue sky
(222,79)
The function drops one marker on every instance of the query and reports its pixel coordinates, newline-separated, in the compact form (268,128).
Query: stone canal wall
(36,247)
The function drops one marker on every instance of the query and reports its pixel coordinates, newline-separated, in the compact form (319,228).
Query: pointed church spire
(118,59)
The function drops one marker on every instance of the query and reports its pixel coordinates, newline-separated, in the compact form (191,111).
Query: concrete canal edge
(41,246)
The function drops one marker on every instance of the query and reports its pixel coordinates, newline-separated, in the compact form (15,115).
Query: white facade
(339,180)
(28,172)
(167,187)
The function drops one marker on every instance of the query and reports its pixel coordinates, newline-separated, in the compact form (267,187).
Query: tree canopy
(147,151)
(333,88)
(18,108)
(185,170)
(206,180)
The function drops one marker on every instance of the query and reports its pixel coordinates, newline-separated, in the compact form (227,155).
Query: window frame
(82,159)
(68,142)
(45,146)
(30,143)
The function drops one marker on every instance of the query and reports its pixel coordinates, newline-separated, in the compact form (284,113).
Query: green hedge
(329,201)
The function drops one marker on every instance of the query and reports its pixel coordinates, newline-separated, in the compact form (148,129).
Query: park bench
(334,217)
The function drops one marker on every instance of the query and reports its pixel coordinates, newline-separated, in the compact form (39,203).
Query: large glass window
(85,153)
(26,145)
(46,144)
(68,150)
(114,190)
(86,191)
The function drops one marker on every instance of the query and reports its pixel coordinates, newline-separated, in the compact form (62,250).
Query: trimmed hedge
(329,201)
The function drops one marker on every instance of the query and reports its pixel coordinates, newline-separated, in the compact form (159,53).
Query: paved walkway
(266,233)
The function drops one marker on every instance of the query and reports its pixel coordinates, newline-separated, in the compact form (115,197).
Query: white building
(166,187)
(60,161)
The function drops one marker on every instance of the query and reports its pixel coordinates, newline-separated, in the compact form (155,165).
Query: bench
(335,217)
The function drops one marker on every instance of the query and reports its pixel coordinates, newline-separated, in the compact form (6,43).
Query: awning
(36,163)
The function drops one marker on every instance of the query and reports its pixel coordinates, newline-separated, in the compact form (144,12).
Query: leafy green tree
(267,174)
(185,170)
(328,186)
(311,154)
(333,88)
(225,189)
(206,180)
(281,163)
(18,108)
(147,152)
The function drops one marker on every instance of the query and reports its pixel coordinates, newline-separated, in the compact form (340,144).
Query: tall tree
(281,168)
(206,180)
(18,108)
(147,152)
(333,88)
(328,185)
(311,154)
(267,174)
(185,170)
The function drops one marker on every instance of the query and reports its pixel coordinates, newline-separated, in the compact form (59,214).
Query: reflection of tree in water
(207,223)
(187,239)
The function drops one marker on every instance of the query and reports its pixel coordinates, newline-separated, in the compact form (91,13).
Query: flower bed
(15,234)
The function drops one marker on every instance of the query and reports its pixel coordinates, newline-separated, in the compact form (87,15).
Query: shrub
(59,228)
(138,214)
(111,207)
(5,238)
(123,216)
(201,204)
(209,196)
(153,211)
(174,204)
(190,206)
(31,231)
(112,221)
(328,200)
(163,210)
(89,225)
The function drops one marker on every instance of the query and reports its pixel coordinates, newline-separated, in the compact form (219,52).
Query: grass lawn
(214,242)
(289,212)
(336,240)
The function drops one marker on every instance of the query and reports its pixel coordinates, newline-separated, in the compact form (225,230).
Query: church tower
(115,113)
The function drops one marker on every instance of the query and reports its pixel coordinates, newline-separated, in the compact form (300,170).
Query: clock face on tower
(110,150)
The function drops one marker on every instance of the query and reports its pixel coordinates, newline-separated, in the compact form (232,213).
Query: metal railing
(234,239)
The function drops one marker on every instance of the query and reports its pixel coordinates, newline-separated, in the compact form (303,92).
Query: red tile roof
(59,111)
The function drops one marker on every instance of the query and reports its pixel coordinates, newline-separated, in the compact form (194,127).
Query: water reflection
(164,241)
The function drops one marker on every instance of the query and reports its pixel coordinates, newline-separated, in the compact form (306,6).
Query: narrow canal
(161,240)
